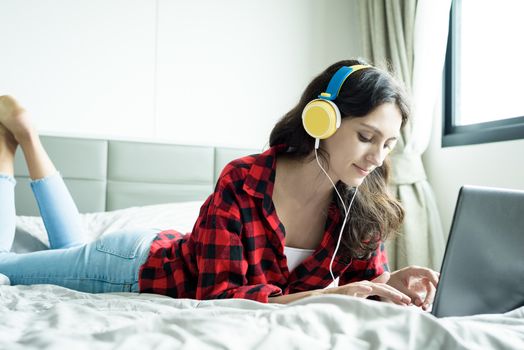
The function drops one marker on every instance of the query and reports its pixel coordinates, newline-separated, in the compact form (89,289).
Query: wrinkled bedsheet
(52,317)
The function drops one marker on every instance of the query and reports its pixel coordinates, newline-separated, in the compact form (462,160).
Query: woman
(276,229)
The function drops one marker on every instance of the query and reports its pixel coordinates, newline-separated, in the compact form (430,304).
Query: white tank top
(296,255)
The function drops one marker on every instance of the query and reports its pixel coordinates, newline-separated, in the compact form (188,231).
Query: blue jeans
(109,264)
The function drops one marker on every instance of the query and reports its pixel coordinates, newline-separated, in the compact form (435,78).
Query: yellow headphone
(321,117)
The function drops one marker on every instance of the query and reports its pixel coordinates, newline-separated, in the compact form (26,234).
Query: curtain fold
(396,34)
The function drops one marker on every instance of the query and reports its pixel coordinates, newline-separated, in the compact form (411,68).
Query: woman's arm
(220,253)
(361,289)
(286,299)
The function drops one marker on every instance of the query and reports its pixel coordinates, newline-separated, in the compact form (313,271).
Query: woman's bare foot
(15,119)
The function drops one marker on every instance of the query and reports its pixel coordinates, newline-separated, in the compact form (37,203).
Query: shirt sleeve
(362,269)
(220,254)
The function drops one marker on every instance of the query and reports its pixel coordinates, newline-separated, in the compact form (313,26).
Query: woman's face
(361,144)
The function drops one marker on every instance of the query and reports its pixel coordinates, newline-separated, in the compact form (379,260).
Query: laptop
(483,267)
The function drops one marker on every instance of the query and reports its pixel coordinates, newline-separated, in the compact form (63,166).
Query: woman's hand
(377,287)
(419,283)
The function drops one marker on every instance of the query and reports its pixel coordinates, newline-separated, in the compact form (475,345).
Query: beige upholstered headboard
(106,175)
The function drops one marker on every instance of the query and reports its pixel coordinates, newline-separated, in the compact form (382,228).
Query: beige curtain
(389,33)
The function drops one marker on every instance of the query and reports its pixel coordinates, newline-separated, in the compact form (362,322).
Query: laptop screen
(483,266)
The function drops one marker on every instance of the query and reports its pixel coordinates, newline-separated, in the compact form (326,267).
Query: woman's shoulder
(239,167)
(244,162)
(252,174)
(243,165)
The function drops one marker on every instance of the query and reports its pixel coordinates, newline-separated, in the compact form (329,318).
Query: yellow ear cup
(321,118)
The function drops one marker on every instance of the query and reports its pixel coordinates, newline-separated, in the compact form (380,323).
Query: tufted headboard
(107,175)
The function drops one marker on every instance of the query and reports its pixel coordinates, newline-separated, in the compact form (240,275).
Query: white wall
(192,72)
(498,164)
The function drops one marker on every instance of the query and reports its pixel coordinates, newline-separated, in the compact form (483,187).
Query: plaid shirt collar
(261,178)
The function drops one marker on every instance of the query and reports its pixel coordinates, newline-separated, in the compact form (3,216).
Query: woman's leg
(7,212)
(57,208)
(109,264)
(59,212)
(7,183)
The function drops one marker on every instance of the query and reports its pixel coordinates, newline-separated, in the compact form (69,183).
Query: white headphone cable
(335,187)
(340,235)
(346,210)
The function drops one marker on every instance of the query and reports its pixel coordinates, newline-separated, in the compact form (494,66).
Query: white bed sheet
(51,317)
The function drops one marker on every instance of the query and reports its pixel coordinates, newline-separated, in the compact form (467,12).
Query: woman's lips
(361,171)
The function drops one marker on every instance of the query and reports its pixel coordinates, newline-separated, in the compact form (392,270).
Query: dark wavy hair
(375,214)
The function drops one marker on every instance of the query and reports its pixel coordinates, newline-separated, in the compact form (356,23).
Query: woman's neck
(302,182)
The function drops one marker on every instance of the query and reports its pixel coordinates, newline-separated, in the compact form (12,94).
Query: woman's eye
(363,138)
(390,146)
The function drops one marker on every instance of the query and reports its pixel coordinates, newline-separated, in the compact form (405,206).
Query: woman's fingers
(415,297)
(361,291)
(429,279)
(388,292)
(365,289)
(424,272)
(419,283)
(430,295)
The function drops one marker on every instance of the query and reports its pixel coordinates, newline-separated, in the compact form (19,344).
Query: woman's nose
(376,155)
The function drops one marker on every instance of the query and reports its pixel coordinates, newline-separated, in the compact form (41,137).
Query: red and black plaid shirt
(236,249)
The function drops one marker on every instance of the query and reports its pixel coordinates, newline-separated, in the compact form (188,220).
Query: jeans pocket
(124,244)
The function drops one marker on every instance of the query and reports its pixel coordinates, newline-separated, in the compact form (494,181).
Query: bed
(124,184)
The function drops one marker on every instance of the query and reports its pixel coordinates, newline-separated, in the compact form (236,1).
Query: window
(484,73)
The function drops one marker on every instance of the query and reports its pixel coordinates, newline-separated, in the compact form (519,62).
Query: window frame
(479,133)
